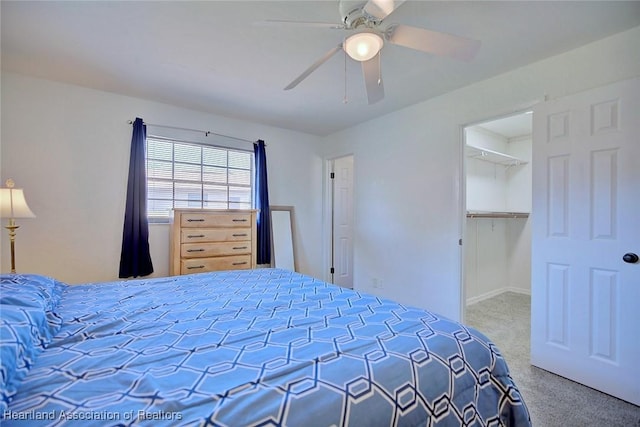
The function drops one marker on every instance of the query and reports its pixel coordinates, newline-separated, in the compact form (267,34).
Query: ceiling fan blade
(373,79)
(313,67)
(279,22)
(380,9)
(434,42)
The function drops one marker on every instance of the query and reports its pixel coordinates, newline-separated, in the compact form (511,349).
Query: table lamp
(13,205)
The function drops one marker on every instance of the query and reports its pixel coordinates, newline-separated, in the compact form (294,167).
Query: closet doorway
(497,232)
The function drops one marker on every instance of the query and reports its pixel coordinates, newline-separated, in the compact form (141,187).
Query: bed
(241,348)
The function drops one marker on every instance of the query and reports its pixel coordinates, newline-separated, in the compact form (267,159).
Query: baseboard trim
(496,292)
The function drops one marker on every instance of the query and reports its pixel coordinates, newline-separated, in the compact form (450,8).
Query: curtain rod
(206,132)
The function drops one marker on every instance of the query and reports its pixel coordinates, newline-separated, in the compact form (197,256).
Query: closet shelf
(487,214)
(493,156)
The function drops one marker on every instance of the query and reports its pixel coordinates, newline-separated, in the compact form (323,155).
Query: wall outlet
(376,283)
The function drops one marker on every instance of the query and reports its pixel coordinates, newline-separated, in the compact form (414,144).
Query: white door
(343,221)
(585,304)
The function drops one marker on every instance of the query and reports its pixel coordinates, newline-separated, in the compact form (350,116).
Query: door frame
(328,225)
(462,224)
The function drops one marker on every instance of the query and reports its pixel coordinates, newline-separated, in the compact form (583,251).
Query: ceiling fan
(365,19)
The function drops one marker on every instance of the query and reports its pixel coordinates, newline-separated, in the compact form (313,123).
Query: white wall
(408,210)
(486,181)
(497,257)
(519,230)
(68,147)
(518,237)
(486,258)
(519,177)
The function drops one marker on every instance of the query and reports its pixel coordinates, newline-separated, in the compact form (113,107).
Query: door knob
(630,257)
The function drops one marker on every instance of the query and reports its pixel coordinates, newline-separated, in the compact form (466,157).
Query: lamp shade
(363,46)
(13,204)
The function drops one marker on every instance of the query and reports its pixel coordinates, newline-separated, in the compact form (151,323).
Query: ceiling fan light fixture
(363,46)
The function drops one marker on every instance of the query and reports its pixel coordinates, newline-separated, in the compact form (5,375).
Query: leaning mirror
(282,238)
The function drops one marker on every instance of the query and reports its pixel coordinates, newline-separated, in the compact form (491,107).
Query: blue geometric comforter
(259,347)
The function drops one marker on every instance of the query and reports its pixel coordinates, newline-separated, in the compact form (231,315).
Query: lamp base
(12,237)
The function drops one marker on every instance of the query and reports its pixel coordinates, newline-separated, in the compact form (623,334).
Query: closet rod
(497,215)
(206,132)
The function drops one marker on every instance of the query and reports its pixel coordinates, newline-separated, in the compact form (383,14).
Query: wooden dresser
(211,240)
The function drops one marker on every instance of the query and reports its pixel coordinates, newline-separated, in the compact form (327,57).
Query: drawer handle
(240,263)
(239,220)
(236,248)
(240,235)
(195,220)
(195,267)
(195,250)
(191,236)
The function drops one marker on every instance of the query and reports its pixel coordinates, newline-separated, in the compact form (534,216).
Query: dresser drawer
(201,265)
(196,220)
(193,235)
(212,239)
(203,250)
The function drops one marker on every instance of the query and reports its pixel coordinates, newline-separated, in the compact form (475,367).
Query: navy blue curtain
(261,202)
(135,258)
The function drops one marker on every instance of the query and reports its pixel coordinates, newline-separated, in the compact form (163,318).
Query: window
(191,175)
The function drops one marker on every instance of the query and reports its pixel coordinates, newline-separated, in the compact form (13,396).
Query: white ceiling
(211,56)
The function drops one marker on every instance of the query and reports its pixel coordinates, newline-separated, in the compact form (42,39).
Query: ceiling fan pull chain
(345,99)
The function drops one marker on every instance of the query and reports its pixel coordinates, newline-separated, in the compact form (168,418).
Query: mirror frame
(289,209)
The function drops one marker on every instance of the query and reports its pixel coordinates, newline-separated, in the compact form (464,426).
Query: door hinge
(333,175)
(332,270)
(460,242)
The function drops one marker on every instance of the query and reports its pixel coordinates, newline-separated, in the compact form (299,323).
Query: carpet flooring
(553,401)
